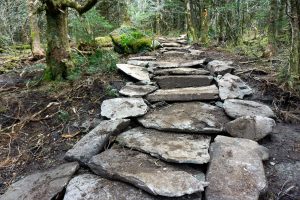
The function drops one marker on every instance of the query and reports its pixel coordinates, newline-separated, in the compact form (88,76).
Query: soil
(40,123)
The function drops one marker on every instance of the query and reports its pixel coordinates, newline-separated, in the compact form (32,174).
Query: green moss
(104,41)
(22,47)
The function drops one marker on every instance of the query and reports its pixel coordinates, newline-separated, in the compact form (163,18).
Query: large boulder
(171,147)
(95,141)
(236,170)
(232,87)
(42,185)
(192,117)
(148,173)
(120,108)
(251,127)
(238,108)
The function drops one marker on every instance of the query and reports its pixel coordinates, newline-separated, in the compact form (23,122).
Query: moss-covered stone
(104,41)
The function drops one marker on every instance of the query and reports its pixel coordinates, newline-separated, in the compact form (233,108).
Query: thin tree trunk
(36,48)
(58,52)
(190,27)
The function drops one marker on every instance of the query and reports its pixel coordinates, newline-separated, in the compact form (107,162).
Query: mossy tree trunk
(36,48)
(58,51)
(192,35)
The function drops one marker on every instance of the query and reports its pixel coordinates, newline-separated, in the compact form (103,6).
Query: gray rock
(185,94)
(171,147)
(120,108)
(143,58)
(148,173)
(89,124)
(236,170)
(238,108)
(171,44)
(195,52)
(251,127)
(41,185)
(232,87)
(137,72)
(168,82)
(141,63)
(95,141)
(218,67)
(163,64)
(193,117)
(181,71)
(174,53)
(194,63)
(132,90)
(93,187)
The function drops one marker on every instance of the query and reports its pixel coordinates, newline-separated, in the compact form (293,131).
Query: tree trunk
(190,26)
(272,29)
(58,52)
(36,48)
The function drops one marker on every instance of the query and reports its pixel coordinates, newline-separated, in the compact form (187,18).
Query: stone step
(165,64)
(192,117)
(42,185)
(137,72)
(185,94)
(120,108)
(236,170)
(133,90)
(170,44)
(171,147)
(93,187)
(96,140)
(217,67)
(181,71)
(236,108)
(183,81)
(143,58)
(148,173)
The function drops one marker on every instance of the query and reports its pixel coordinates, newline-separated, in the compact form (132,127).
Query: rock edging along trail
(181,147)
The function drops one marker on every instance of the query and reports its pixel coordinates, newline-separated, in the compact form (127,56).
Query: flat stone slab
(232,87)
(163,64)
(174,53)
(251,127)
(194,63)
(120,108)
(168,82)
(219,67)
(96,140)
(238,108)
(185,94)
(93,187)
(133,90)
(236,170)
(171,147)
(142,63)
(171,44)
(148,173)
(143,58)
(41,185)
(192,117)
(137,72)
(181,71)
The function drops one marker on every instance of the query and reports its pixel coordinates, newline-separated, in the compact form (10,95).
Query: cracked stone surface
(133,90)
(236,108)
(236,170)
(120,108)
(137,72)
(192,117)
(41,185)
(232,87)
(95,141)
(171,147)
(148,173)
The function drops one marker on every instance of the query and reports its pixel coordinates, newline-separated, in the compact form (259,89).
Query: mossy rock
(104,41)
(129,40)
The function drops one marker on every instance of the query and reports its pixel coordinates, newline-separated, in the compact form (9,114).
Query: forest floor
(40,122)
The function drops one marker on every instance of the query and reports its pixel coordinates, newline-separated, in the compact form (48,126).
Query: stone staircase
(199,143)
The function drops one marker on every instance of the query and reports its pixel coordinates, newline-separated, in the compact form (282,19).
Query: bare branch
(80,8)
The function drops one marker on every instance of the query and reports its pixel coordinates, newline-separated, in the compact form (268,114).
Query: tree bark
(36,48)
(190,26)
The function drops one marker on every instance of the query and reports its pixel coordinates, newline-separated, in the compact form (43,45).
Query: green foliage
(63,116)
(101,61)
(111,92)
(87,27)
(287,79)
